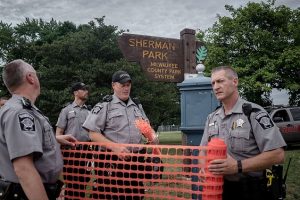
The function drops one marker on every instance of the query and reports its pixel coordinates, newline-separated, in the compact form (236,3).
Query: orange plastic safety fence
(93,171)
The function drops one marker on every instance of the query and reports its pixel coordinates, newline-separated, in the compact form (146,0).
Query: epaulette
(26,103)
(107,98)
(136,100)
(248,109)
(89,107)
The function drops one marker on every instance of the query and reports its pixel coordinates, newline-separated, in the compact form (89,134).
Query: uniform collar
(220,112)
(237,108)
(117,100)
(74,104)
(17,97)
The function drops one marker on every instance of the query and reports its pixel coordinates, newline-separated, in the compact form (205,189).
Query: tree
(257,40)
(63,54)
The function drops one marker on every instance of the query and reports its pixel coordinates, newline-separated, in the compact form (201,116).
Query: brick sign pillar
(189,49)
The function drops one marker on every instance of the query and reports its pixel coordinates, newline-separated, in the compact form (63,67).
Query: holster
(276,186)
(5,189)
(9,191)
(53,190)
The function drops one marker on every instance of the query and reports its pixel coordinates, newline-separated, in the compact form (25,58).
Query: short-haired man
(70,121)
(254,142)
(72,116)
(30,158)
(112,122)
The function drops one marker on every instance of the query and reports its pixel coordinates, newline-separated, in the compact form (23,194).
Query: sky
(160,18)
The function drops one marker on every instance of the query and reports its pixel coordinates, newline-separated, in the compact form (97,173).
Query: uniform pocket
(114,114)
(115,119)
(212,132)
(239,140)
(71,114)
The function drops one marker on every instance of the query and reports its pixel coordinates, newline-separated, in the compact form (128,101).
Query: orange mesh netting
(92,171)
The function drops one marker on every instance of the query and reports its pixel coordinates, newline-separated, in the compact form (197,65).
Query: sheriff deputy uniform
(71,119)
(25,130)
(245,136)
(116,121)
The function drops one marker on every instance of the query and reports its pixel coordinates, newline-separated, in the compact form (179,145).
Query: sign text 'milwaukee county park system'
(160,58)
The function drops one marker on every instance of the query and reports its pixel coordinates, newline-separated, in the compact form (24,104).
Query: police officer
(70,122)
(72,116)
(113,122)
(30,158)
(254,142)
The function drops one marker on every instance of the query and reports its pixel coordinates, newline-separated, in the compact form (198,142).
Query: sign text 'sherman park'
(160,58)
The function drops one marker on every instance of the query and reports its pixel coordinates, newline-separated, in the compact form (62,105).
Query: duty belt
(10,190)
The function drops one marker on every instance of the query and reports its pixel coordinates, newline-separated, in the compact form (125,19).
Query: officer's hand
(120,150)
(66,140)
(223,166)
(201,175)
(154,141)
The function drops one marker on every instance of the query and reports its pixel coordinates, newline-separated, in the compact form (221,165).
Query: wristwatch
(240,167)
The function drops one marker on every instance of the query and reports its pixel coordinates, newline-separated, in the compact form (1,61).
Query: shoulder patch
(264,120)
(26,122)
(97,109)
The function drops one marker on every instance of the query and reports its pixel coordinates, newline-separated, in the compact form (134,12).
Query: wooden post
(189,50)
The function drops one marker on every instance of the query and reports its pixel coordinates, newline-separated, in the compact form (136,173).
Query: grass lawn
(293,179)
(170,138)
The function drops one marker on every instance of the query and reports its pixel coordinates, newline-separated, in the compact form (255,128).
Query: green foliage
(262,42)
(289,76)
(63,54)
